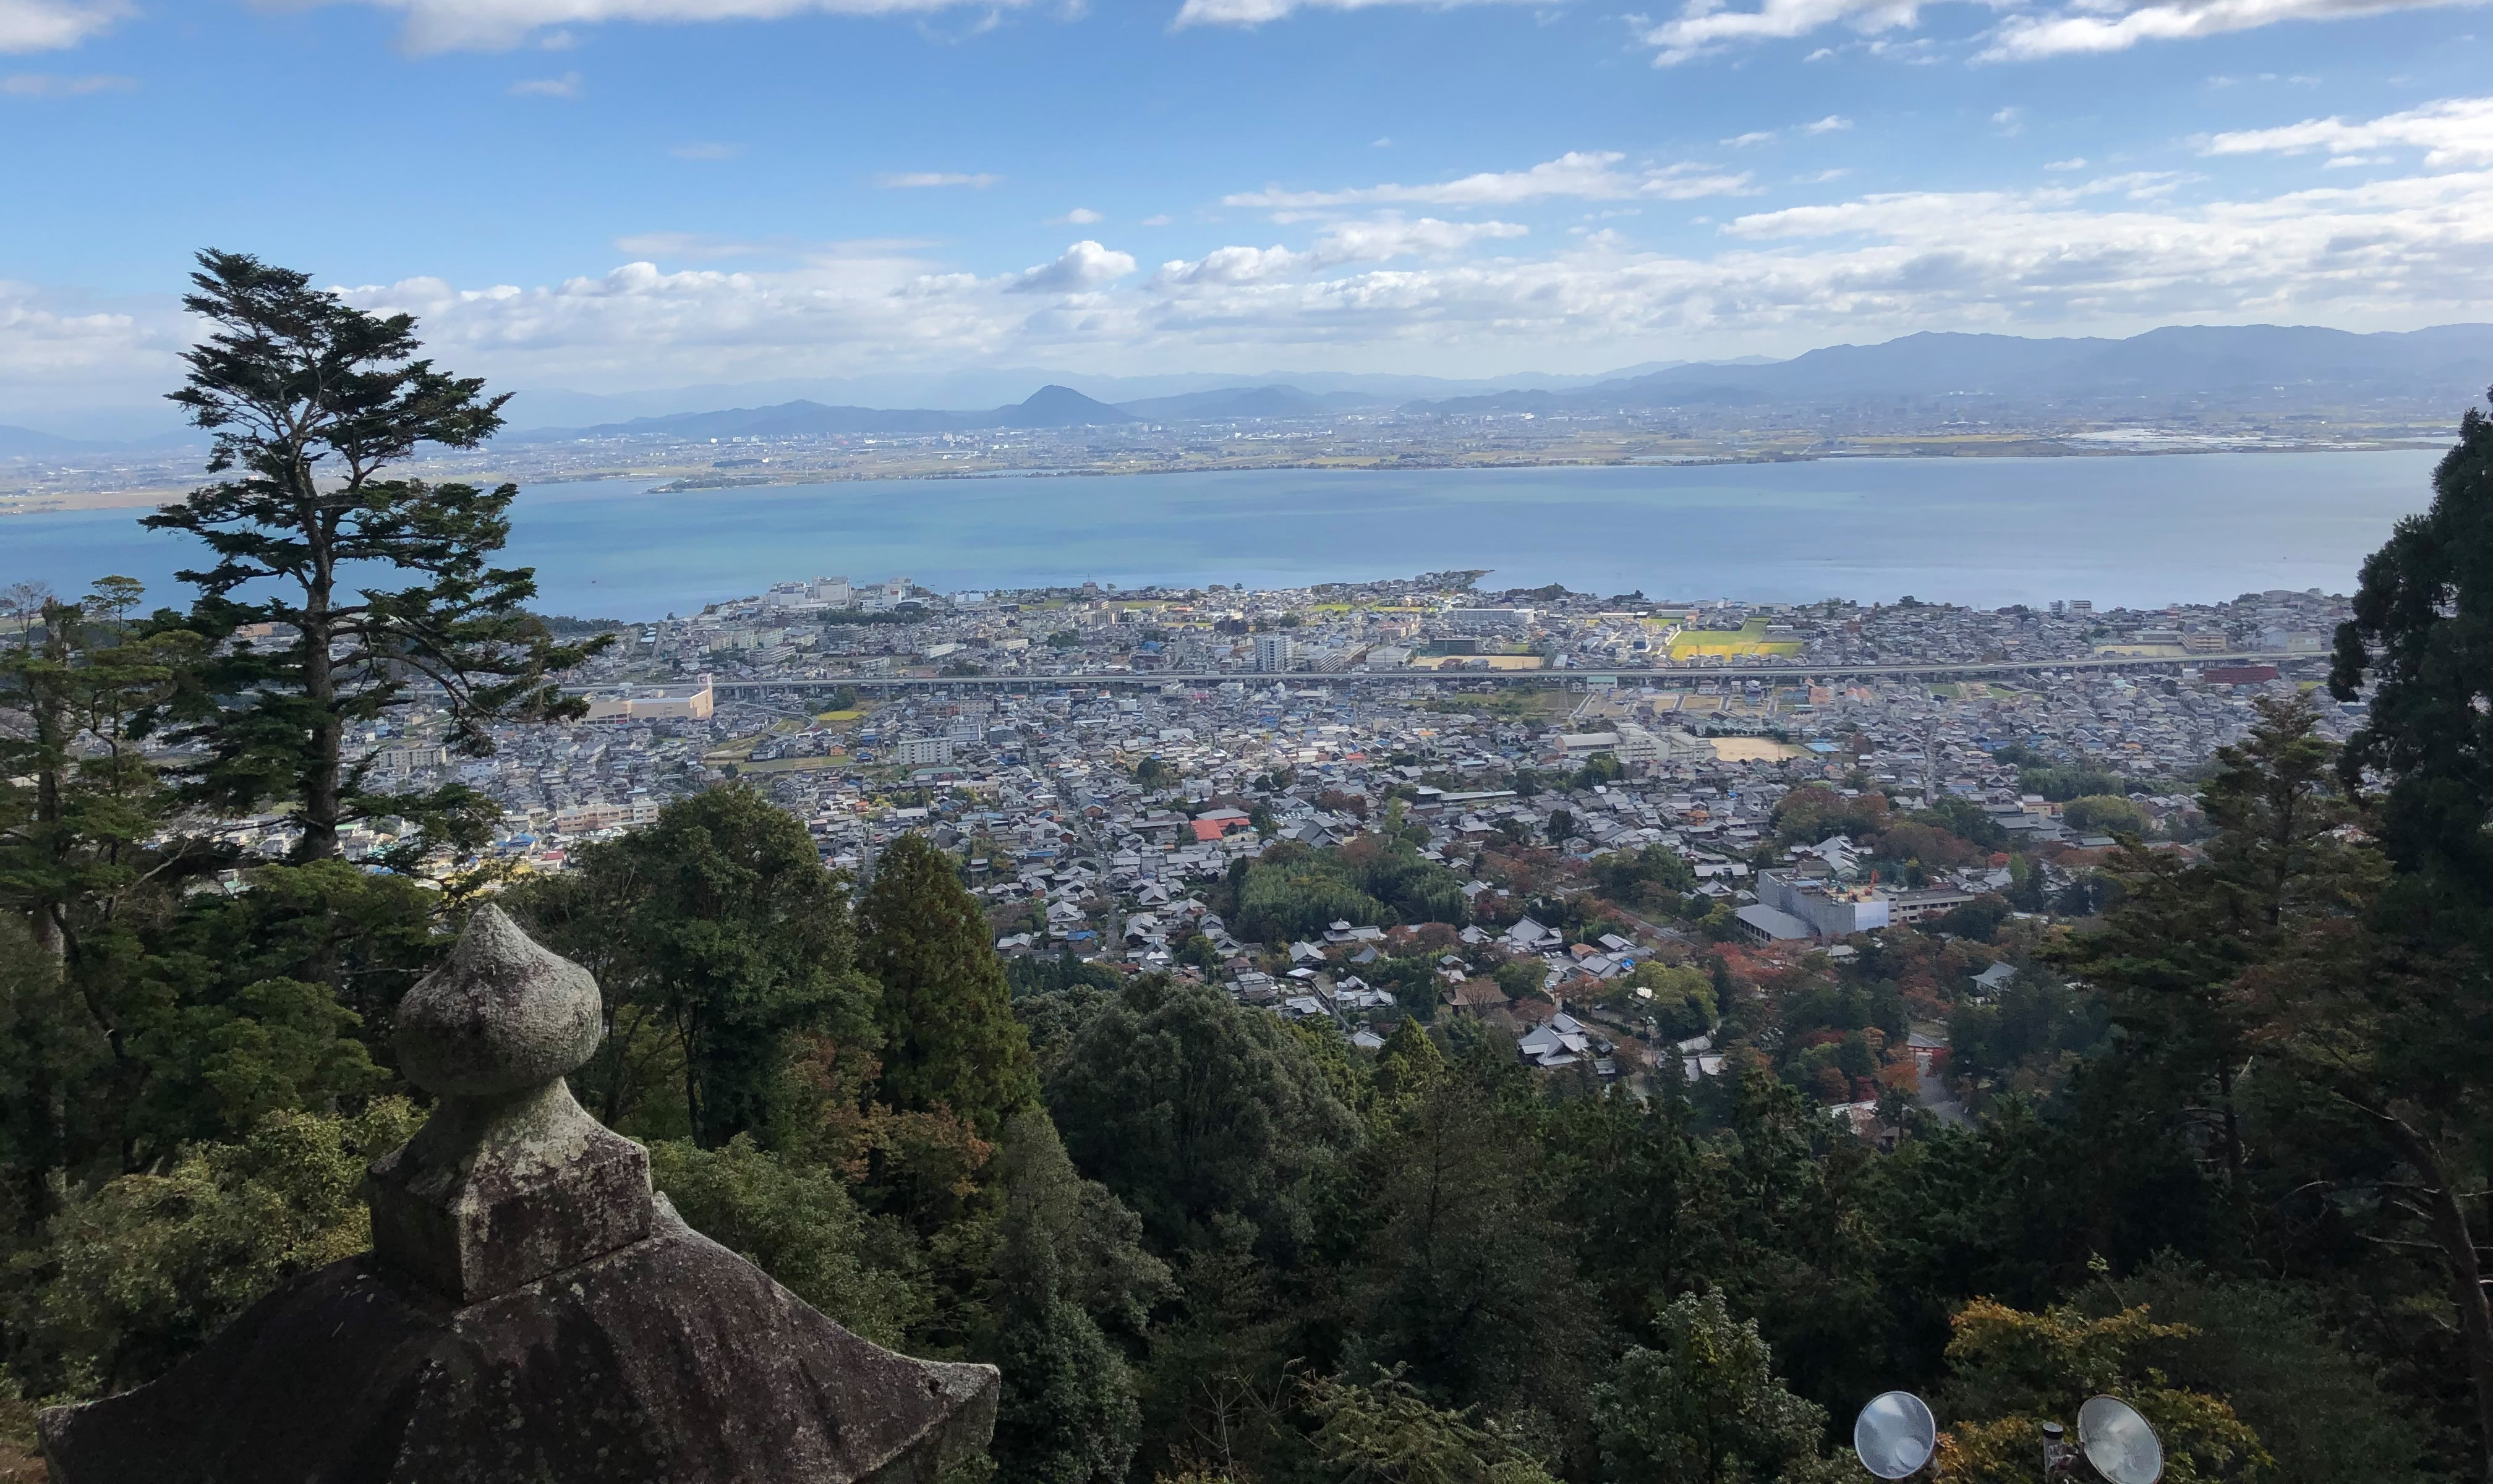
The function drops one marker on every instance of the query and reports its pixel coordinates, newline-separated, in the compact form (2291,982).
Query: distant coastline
(695,483)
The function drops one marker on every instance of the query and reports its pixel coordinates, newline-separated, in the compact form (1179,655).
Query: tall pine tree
(311,401)
(949,1039)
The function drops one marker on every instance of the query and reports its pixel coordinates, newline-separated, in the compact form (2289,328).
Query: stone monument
(530,1312)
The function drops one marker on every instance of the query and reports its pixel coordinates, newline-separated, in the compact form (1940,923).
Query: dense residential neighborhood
(1566,798)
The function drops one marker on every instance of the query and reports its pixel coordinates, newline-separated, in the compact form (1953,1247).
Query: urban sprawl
(1112,766)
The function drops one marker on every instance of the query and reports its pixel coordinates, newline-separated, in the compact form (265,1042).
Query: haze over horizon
(616,197)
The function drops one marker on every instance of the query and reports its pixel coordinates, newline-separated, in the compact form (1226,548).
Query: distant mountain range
(2164,370)
(984,387)
(2179,368)
(2447,365)
(1050,407)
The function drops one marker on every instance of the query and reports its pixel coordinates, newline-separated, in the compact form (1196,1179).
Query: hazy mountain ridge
(1050,407)
(2440,365)
(2454,360)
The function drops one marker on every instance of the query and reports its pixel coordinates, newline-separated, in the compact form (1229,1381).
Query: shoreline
(669,483)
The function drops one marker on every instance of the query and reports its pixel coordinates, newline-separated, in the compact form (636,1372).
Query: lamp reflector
(2123,1449)
(1895,1435)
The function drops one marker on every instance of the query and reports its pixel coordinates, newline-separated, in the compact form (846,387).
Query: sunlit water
(2116,531)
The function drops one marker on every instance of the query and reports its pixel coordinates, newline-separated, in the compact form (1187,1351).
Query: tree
(1467,1278)
(79,799)
(1523,979)
(2422,638)
(1069,1267)
(795,1221)
(310,401)
(1193,1108)
(2104,814)
(1703,1407)
(1385,1431)
(2013,1371)
(2175,948)
(718,939)
(949,1039)
(80,805)
(139,1271)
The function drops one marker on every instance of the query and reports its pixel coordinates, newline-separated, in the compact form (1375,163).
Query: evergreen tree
(1704,1407)
(1067,1257)
(718,939)
(2172,953)
(2401,1030)
(948,1031)
(1467,1278)
(2422,639)
(949,1039)
(1193,1108)
(310,401)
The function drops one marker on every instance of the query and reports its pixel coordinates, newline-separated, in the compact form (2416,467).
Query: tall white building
(1274,652)
(922,752)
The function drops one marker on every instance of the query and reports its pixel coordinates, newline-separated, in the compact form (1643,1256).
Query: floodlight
(2119,1442)
(1894,1434)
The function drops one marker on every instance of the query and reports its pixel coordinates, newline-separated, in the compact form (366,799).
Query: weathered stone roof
(531,1313)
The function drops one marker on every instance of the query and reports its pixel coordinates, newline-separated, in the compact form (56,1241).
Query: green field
(1748,640)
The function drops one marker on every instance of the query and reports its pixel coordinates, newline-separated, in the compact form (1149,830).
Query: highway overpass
(1676,674)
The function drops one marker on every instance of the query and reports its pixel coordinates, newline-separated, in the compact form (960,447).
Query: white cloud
(1381,240)
(2452,130)
(921,180)
(2074,162)
(1704,25)
(50,26)
(1161,220)
(1084,266)
(2104,25)
(1753,136)
(1588,175)
(2010,120)
(1831,124)
(1079,216)
(60,356)
(54,85)
(2107,255)
(1821,178)
(1255,12)
(565,86)
(496,25)
(707,150)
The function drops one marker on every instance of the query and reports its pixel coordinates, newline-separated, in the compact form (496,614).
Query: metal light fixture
(1894,1434)
(2119,1442)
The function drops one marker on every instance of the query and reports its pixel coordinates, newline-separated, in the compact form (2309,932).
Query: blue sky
(614,194)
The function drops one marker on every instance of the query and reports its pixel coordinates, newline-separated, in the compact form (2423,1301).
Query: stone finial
(502,1015)
(510,1180)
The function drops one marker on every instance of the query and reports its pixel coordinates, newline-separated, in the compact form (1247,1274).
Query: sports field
(1748,640)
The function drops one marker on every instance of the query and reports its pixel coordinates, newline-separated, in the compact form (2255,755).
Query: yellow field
(1751,749)
(1749,639)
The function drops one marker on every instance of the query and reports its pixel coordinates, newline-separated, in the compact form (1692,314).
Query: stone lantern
(530,1312)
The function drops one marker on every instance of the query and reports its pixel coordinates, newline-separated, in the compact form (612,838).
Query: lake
(2141,532)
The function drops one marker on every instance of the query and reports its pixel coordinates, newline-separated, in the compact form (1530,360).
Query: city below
(1100,758)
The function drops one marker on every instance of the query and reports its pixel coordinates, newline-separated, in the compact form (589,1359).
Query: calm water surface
(2118,530)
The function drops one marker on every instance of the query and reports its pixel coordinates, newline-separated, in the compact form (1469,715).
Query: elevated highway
(1791,673)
